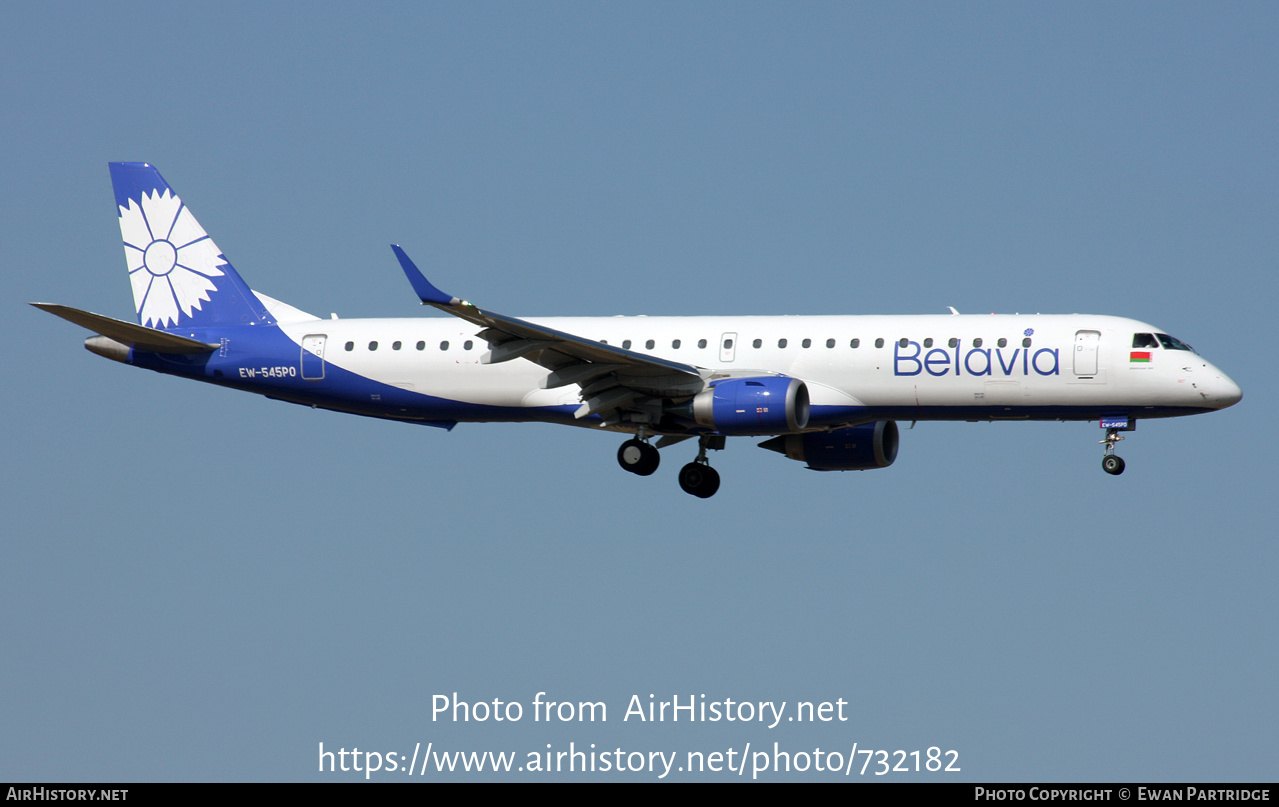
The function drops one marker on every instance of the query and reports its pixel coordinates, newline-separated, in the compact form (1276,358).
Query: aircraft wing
(611,378)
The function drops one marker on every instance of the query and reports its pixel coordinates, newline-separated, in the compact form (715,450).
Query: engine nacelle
(858,448)
(752,406)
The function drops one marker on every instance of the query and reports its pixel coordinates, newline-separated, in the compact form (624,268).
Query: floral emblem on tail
(170,257)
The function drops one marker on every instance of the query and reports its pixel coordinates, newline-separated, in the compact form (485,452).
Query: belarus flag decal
(1139,356)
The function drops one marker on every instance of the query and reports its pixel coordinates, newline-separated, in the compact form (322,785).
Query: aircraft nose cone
(1232,394)
(1228,392)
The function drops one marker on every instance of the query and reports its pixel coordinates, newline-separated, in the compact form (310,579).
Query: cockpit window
(1171,343)
(1144,340)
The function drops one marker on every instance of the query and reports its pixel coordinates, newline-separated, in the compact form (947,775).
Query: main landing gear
(697,478)
(638,457)
(1112,463)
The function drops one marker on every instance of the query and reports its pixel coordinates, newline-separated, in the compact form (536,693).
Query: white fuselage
(948,368)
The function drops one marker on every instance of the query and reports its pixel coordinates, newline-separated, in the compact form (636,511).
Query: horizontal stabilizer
(137,336)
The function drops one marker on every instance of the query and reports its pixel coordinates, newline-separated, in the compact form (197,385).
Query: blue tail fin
(180,278)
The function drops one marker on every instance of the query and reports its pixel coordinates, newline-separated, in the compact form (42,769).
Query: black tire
(1112,465)
(638,457)
(699,480)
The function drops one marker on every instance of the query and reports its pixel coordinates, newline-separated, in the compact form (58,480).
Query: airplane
(825,390)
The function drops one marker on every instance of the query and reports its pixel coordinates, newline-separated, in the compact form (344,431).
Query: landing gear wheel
(638,457)
(1112,465)
(699,479)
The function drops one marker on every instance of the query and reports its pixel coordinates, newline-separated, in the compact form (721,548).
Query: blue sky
(200,584)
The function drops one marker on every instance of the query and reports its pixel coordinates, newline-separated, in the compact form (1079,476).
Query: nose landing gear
(1111,463)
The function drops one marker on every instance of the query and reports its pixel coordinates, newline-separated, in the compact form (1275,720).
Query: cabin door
(1086,344)
(313,356)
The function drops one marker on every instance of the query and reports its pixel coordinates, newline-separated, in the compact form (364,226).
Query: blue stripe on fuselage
(264,360)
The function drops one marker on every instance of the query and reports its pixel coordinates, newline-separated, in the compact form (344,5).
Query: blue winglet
(427,293)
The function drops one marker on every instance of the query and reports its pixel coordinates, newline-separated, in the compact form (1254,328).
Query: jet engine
(750,406)
(857,448)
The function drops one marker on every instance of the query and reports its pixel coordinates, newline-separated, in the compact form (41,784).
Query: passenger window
(758,343)
(444,345)
(649,344)
(395,346)
(977,342)
(1025,342)
(879,342)
(467,345)
(701,343)
(372,345)
(856,343)
(626,344)
(1144,340)
(781,343)
(903,342)
(728,344)
(953,342)
(830,343)
(806,343)
(1002,342)
(675,345)
(421,345)
(350,346)
(928,342)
